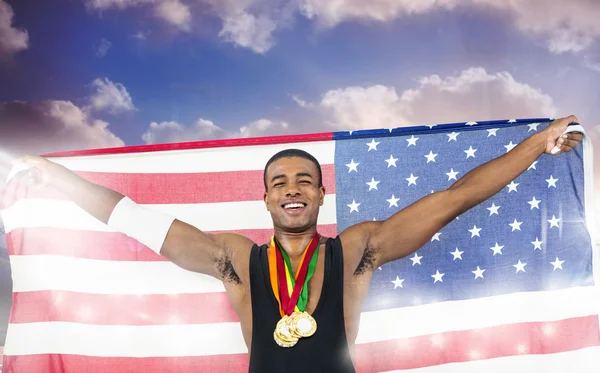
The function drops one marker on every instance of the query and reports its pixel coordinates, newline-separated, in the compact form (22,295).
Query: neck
(294,244)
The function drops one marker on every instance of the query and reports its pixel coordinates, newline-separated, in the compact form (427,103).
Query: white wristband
(147,226)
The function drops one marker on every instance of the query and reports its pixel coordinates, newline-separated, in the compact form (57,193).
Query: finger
(568,142)
(565,148)
(577,136)
(572,119)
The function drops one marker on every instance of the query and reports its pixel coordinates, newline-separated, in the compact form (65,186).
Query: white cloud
(110,96)
(103,48)
(175,13)
(12,40)
(249,31)
(173,132)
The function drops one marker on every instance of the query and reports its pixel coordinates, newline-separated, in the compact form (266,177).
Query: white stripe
(586,360)
(125,341)
(206,216)
(236,158)
(478,313)
(53,272)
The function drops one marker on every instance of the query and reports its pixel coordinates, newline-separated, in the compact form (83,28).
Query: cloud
(103,48)
(12,40)
(173,132)
(249,31)
(120,4)
(112,97)
(174,12)
(49,126)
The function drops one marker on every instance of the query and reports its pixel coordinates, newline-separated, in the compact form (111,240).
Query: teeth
(293,205)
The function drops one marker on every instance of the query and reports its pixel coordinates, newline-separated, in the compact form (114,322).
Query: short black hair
(289,153)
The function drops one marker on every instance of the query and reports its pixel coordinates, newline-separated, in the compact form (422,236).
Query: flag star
(493,209)
(416,259)
(512,186)
(471,123)
(535,203)
(372,145)
(537,244)
(350,133)
(353,206)
(557,264)
(436,237)
(373,184)
(452,174)
(516,225)
(512,121)
(475,231)
(452,136)
(412,179)
(551,182)
(438,276)
(393,201)
(520,266)
(497,249)
(478,272)
(412,141)
(510,146)
(352,166)
(492,132)
(470,152)
(533,165)
(379,269)
(554,222)
(430,157)
(398,282)
(457,254)
(533,127)
(391,161)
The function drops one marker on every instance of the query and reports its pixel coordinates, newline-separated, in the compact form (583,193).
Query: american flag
(508,286)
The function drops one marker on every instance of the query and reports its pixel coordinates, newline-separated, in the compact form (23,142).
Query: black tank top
(327,349)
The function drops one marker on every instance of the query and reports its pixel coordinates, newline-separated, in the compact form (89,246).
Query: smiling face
(293,195)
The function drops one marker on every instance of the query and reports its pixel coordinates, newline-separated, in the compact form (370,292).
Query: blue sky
(79,74)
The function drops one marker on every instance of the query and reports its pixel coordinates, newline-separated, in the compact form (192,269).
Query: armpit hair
(367,262)
(226,270)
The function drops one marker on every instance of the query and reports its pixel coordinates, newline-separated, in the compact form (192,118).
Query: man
(298,299)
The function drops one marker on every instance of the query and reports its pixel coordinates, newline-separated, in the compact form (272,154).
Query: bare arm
(409,229)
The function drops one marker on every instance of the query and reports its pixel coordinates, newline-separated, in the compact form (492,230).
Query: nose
(292,190)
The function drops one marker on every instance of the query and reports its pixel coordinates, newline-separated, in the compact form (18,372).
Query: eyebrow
(299,174)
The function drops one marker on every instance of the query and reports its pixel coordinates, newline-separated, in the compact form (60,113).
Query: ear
(321,195)
(265,199)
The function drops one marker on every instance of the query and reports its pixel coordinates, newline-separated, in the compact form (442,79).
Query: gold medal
(282,334)
(303,325)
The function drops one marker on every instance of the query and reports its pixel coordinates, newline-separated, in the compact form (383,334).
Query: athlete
(298,298)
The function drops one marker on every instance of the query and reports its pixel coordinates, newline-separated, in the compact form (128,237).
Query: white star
(398,282)
(551,182)
(512,186)
(438,276)
(372,145)
(497,249)
(533,126)
(470,152)
(533,165)
(557,264)
(537,244)
(554,222)
(416,259)
(412,141)
(457,254)
(478,272)
(373,184)
(391,161)
(520,266)
(352,166)
(452,174)
(492,132)
(393,201)
(510,146)
(452,136)
(475,231)
(350,133)
(512,121)
(493,209)
(431,125)
(535,204)
(471,123)
(516,225)
(353,206)
(436,237)
(412,179)
(430,157)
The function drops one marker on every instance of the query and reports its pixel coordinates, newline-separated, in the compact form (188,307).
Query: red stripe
(501,341)
(459,346)
(154,309)
(185,188)
(105,245)
(267,140)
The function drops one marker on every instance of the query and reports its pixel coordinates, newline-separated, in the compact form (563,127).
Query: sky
(82,74)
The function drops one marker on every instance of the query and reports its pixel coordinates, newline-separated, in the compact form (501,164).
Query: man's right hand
(32,173)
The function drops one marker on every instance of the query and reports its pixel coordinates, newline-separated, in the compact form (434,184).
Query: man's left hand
(564,143)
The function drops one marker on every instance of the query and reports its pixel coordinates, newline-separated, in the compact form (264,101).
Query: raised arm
(412,227)
(181,243)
